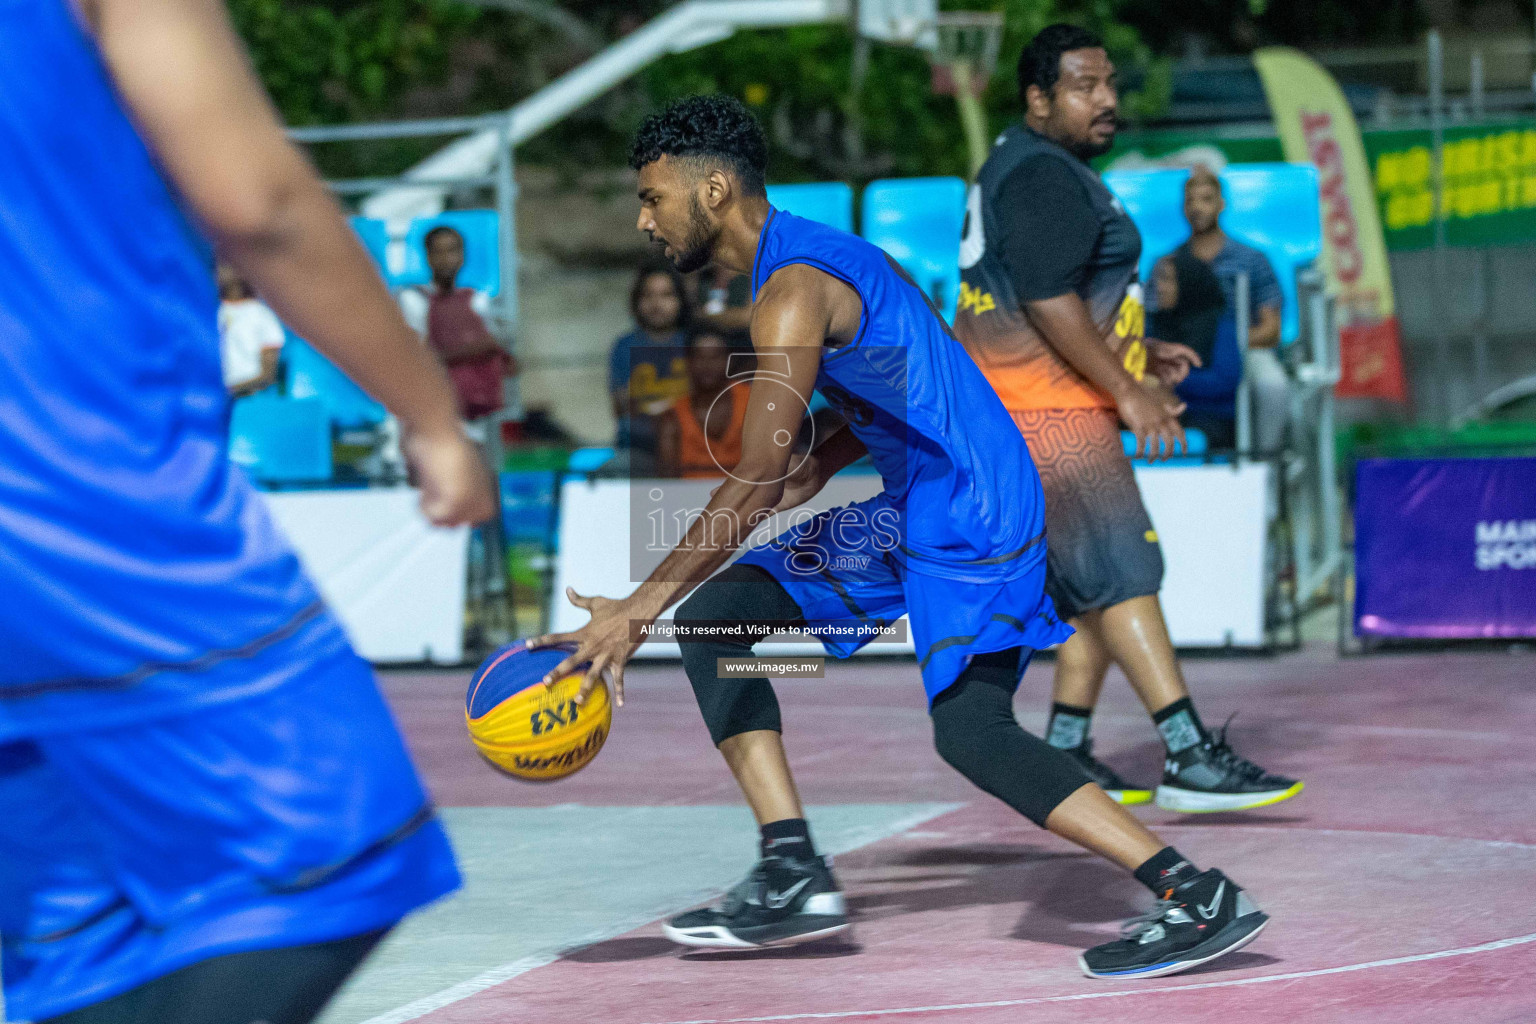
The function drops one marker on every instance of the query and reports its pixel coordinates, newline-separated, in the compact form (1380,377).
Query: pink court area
(1401,883)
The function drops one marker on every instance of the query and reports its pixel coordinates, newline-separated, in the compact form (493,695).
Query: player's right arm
(1064,323)
(185,79)
(796,311)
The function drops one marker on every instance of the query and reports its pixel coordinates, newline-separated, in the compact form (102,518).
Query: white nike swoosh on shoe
(1209,911)
(778,901)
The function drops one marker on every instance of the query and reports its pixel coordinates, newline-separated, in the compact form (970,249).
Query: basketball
(526,729)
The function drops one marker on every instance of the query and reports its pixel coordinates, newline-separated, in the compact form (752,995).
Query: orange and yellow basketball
(529,730)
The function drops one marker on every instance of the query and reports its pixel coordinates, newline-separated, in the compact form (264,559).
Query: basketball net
(963,57)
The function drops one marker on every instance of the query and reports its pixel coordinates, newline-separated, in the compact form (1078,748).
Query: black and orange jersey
(1040,223)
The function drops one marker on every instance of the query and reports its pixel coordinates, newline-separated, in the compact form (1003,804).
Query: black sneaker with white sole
(781,902)
(1107,779)
(1211,777)
(1206,917)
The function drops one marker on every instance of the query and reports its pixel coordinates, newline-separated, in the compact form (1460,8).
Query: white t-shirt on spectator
(247,328)
(415,303)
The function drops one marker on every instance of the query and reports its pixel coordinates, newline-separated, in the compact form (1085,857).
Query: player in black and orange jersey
(1051,309)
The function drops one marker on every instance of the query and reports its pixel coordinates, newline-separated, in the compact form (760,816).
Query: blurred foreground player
(957,538)
(1051,309)
(208,815)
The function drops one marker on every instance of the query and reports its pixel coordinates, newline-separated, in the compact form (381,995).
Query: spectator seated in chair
(1191,310)
(647,368)
(1228,259)
(250,336)
(452,320)
(700,436)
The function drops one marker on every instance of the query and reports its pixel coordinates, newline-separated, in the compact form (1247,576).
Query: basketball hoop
(964,51)
(963,57)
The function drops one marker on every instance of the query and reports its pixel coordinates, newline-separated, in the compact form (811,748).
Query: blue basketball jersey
(953,463)
(137,569)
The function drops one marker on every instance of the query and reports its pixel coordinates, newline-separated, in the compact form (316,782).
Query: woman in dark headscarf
(1192,310)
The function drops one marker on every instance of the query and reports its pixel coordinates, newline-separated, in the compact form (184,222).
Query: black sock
(790,837)
(1164,870)
(1180,725)
(1069,726)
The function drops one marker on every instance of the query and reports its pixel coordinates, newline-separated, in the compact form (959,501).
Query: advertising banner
(1316,126)
(1445,548)
(1490,185)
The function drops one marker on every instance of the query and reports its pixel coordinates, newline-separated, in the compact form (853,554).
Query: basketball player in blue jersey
(207,815)
(956,540)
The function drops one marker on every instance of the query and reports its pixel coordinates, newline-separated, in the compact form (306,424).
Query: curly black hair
(708,128)
(1040,61)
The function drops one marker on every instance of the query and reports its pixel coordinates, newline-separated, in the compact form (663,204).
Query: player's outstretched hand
(455,485)
(1155,422)
(605,642)
(1171,361)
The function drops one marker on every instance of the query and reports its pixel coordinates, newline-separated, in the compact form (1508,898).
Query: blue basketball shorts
(284,819)
(844,569)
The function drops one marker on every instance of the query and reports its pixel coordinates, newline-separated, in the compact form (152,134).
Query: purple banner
(1445,548)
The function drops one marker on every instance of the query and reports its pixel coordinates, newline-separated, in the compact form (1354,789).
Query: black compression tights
(279,986)
(973,724)
(734,705)
(975,731)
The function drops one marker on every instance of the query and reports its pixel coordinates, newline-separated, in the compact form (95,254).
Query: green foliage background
(330,61)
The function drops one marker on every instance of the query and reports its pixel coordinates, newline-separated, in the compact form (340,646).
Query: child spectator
(250,336)
(700,435)
(647,370)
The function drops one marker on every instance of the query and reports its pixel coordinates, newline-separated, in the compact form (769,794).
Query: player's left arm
(794,314)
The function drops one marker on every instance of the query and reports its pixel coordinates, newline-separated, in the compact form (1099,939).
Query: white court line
(847,1014)
(506,972)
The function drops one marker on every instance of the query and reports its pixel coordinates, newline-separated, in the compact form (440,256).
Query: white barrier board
(1210,522)
(395,580)
(1209,519)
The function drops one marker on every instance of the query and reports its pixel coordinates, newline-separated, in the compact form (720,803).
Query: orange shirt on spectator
(700,455)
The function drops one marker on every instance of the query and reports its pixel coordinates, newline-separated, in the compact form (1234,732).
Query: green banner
(1490,185)
(1490,177)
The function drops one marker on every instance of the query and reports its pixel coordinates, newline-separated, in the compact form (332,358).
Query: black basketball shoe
(782,901)
(1211,777)
(1120,791)
(1206,917)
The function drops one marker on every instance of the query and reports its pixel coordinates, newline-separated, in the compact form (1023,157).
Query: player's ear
(718,189)
(1037,102)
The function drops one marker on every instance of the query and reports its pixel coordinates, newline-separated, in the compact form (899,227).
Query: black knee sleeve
(976,733)
(733,705)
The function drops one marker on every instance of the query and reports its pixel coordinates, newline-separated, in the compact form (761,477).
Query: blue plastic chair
(528,506)
(918,221)
(482,251)
(281,441)
(1271,206)
(1192,454)
(588,460)
(827,202)
(311,375)
(375,238)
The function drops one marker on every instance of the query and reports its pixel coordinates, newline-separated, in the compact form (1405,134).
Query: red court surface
(1401,883)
